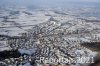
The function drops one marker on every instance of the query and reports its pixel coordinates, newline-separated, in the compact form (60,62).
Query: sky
(46,2)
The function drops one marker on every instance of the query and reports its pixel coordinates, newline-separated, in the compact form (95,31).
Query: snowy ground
(66,32)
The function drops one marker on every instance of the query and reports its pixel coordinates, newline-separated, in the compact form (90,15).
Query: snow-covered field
(14,22)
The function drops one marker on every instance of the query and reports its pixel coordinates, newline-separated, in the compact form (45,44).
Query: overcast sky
(45,2)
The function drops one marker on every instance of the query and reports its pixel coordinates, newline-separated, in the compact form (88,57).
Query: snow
(22,22)
(27,64)
(84,40)
(27,51)
(4,46)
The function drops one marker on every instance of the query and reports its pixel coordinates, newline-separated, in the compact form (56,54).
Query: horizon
(49,3)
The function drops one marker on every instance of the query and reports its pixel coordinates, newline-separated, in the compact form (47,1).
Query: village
(45,33)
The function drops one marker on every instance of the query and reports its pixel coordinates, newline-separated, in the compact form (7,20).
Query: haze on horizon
(50,3)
